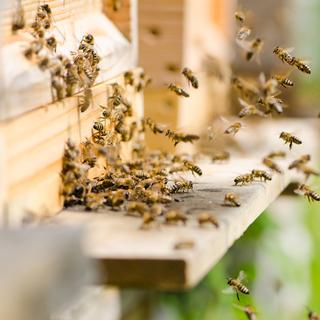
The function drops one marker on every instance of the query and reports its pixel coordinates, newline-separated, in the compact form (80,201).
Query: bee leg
(237,293)
(290,145)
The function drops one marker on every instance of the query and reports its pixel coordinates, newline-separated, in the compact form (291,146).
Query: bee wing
(241,276)
(228,290)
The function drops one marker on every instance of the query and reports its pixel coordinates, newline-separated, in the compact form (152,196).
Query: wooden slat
(146,258)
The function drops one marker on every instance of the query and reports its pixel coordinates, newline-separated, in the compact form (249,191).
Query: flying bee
(252,48)
(271,165)
(284,55)
(155,127)
(87,40)
(262,175)
(181,137)
(207,218)
(243,33)
(220,156)
(71,78)
(84,101)
(248,311)
(18,19)
(307,191)
(313,315)
(231,199)
(175,216)
(181,185)
(300,161)
(243,179)
(177,90)
(271,103)
(277,154)
(302,65)
(236,285)
(289,138)
(240,16)
(184,244)
(308,171)
(245,89)
(116,5)
(284,81)
(233,128)
(192,167)
(189,75)
(248,110)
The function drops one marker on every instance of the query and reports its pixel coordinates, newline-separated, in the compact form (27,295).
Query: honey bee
(155,127)
(308,171)
(181,137)
(271,165)
(284,81)
(18,19)
(307,191)
(252,48)
(175,216)
(181,185)
(277,154)
(129,78)
(240,16)
(192,167)
(94,201)
(220,156)
(138,207)
(234,128)
(207,218)
(248,311)
(184,244)
(243,33)
(243,179)
(262,175)
(289,138)
(271,103)
(148,220)
(85,100)
(248,110)
(117,198)
(313,315)
(116,5)
(245,89)
(230,199)
(300,161)
(284,55)
(236,285)
(302,65)
(189,75)
(178,91)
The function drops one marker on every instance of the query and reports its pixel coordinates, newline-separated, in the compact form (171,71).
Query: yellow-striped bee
(178,91)
(307,191)
(243,179)
(231,199)
(181,185)
(284,55)
(261,174)
(271,164)
(192,167)
(237,286)
(233,128)
(191,77)
(284,81)
(289,138)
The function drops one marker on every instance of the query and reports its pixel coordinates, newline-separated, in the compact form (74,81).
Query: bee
(300,161)
(51,43)
(129,78)
(249,312)
(172,67)
(189,75)
(307,191)
(243,179)
(18,19)
(308,171)
(230,199)
(253,49)
(155,127)
(192,167)
(221,156)
(271,165)
(271,103)
(234,128)
(284,55)
(277,154)
(94,201)
(245,89)
(243,33)
(177,90)
(207,218)
(138,207)
(181,185)
(87,40)
(289,138)
(302,65)
(240,16)
(248,109)
(175,216)
(84,101)
(116,5)
(117,198)
(237,286)
(148,220)
(261,174)
(313,315)
(181,137)
(284,81)
(184,244)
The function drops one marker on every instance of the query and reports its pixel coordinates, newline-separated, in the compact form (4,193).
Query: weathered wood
(147,258)
(34,143)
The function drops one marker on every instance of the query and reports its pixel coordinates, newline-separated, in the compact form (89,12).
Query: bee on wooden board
(271,165)
(175,216)
(262,175)
(181,185)
(289,138)
(231,200)
(248,311)
(243,179)
(236,285)
(178,90)
(277,154)
(205,218)
(252,48)
(307,191)
(148,220)
(18,19)
(184,244)
(191,78)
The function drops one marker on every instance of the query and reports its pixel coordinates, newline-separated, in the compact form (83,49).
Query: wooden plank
(116,242)
(34,143)
(26,87)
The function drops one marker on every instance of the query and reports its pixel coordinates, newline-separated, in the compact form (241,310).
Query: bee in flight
(252,48)
(248,110)
(284,55)
(289,138)
(248,311)
(277,154)
(302,65)
(244,179)
(240,16)
(233,128)
(243,33)
(191,77)
(313,315)
(283,81)
(220,156)
(236,285)
(307,191)
(178,91)
(271,165)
